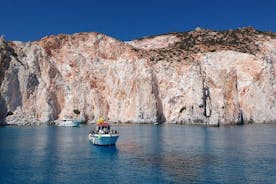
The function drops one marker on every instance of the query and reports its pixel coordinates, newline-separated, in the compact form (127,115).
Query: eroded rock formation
(201,76)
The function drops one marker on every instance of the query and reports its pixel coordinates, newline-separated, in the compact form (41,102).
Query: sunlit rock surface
(201,76)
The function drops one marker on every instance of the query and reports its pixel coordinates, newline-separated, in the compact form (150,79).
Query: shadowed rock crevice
(56,109)
(31,84)
(3,110)
(241,121)
(12,93)
(206,100)
(160,117)
(206,96)
(5,58)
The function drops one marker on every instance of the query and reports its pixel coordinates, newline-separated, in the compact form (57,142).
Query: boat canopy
(100,120)
(102,123)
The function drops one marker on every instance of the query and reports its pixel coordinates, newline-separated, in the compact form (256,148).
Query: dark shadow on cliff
(160,117)
(3,111)
(13,92)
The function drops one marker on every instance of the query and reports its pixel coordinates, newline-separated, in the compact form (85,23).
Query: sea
(142,154)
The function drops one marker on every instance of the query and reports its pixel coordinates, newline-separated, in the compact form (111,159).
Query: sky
(29,20)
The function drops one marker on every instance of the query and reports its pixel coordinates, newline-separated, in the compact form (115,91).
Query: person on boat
(101,131)
(104,129)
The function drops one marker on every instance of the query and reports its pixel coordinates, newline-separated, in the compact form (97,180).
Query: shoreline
(41,124)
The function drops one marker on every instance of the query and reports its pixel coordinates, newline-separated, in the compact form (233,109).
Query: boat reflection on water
(106,153)
(109,150)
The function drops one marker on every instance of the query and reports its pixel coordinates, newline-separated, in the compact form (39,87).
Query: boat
(102,134)
(67,122)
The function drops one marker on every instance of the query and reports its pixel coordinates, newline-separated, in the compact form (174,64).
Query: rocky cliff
(201,76)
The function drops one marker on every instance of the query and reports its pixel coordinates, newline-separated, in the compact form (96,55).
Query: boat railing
(111,132)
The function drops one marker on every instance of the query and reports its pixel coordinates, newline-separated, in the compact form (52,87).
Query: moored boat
(69,123)
(102,134)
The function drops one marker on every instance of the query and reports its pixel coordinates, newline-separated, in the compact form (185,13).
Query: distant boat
(102,134)
(156,123)
(67,122)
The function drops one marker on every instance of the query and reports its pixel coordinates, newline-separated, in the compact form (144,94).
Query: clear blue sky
(129,19)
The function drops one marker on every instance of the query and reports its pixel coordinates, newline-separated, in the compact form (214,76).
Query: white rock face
(168,78)
(158,42)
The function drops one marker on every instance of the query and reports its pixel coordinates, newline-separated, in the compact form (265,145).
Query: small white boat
(69,123)
(102,135)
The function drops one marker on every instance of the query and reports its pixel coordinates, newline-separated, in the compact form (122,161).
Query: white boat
(102,134)
(68,123)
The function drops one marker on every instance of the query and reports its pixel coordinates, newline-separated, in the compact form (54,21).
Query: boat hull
(103,140)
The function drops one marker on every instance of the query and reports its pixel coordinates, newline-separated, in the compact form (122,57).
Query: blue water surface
(143,154)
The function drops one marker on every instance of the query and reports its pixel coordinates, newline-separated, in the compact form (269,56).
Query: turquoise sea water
(143,154)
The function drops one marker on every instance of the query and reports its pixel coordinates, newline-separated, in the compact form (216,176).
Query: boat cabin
(102,128)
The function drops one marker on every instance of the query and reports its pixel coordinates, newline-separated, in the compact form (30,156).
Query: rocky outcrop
(202,76)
